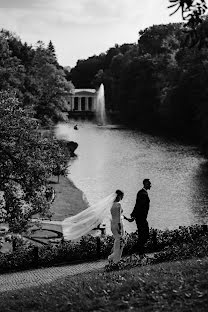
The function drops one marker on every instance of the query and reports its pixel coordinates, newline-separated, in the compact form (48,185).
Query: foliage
(182,243)
(193,14)
(84,71)
(35,75)
(12,72)
(27,161)
(51,49)
(157,85)
(52,89)
(183,250)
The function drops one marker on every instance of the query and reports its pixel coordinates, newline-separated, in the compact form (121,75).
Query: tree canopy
(40,82)
(27,161)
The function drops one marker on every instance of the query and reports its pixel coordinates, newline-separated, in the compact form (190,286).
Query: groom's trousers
(143,235)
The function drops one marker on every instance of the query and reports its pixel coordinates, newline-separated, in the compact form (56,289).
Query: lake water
(111,158)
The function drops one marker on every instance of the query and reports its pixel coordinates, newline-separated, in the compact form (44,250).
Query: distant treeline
(36,77)
(157,84)
(160,83)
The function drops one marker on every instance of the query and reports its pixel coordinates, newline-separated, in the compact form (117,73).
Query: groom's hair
(145,181)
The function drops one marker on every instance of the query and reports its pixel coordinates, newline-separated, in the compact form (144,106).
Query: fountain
(101,118)
(100,109)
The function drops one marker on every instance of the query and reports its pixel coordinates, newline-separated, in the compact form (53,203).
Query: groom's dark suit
(140,213)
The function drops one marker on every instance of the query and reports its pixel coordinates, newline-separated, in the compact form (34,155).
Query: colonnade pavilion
(83,100)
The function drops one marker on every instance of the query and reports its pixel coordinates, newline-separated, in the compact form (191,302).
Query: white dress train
(84,222)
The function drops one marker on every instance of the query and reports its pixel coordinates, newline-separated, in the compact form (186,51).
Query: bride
(117,229)
(83,223)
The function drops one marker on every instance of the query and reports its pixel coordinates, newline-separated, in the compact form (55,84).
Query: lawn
(69,200)
(176,286)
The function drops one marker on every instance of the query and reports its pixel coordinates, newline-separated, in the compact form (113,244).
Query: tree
(84,72)
(52,50)
(138,93)
(12,72)
(50,87)
(27,161)
(192,12)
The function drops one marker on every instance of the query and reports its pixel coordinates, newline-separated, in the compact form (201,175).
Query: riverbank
(69,200)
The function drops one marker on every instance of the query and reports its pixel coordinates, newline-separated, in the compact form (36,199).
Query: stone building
(83,101)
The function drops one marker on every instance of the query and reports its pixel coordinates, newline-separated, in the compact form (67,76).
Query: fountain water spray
(100,109)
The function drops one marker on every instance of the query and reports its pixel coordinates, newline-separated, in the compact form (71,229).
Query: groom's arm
(133,214)
(129,219)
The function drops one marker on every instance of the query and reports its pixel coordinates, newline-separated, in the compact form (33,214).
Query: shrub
(183,250)
(178,244)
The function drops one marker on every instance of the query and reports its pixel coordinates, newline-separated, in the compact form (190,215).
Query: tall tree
(12,72)
(27,161)
(51,87)
(52,50)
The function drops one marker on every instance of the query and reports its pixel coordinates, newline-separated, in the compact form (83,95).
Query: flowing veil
(84,222)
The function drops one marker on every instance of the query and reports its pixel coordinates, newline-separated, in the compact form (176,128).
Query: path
(36,277)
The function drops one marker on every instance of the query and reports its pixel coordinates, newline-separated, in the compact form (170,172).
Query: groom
(139,214)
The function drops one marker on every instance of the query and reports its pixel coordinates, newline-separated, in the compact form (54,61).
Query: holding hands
(129,219)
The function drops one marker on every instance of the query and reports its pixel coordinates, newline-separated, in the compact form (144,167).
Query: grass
(69,199)
(176,286)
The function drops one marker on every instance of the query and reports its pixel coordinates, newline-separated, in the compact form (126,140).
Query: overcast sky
(82,28)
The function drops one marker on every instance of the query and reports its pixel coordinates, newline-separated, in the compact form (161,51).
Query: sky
(82,28)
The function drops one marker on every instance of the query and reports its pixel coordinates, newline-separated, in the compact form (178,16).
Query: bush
(183,250)
(178,244)
(18,260)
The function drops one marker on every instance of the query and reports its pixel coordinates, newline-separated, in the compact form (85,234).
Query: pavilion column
(72,103)
(94,103)
(86,103)
(79,103)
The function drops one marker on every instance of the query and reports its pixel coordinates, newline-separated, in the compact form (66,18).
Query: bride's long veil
(84,222)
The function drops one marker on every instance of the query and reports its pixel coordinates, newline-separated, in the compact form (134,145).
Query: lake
(111,157)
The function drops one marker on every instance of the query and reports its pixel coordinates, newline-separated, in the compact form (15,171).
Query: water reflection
(110,159)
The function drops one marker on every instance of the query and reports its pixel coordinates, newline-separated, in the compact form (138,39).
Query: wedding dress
(118,233)
(84,222)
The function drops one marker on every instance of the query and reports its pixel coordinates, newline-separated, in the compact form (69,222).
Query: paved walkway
(36,277)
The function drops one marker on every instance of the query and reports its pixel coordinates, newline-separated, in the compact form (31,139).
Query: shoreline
(69,199)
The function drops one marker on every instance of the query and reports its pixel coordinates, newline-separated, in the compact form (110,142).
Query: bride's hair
(119,194)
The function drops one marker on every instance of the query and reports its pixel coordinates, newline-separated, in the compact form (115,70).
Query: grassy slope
(178,286)
(69,199)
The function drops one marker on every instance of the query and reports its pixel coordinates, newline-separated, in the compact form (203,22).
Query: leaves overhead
(193,15)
